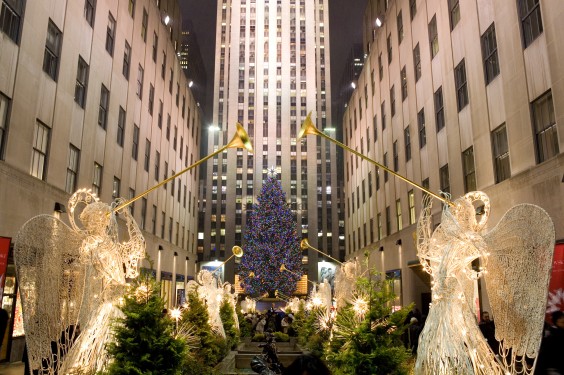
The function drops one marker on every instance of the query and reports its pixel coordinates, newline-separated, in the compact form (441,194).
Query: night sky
(345,17)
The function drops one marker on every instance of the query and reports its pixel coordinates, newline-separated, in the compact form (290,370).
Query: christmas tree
(270,242)
(144,341)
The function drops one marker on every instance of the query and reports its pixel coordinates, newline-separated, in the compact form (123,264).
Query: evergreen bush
(144,342)
(211,347)
(227,313)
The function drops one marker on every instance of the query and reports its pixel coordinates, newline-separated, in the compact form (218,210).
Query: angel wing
(521,249)
(51,274)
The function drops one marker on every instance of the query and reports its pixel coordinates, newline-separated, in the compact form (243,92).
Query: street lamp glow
(191,84)
(167,20)
(353,85)
(213,128)
(378,22)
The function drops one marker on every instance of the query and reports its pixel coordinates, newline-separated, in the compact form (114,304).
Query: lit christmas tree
(270,242)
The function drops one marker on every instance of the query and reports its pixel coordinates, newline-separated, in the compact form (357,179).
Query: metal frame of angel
(71,281)
(515,259)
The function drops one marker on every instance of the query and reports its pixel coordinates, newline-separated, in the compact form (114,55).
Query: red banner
(4,250)
(556,287)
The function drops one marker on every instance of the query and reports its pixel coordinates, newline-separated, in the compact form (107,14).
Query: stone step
(243,361)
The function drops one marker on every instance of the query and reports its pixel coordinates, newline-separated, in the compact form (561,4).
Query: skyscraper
(272,69)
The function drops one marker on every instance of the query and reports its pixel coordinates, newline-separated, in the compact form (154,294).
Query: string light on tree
(270,242)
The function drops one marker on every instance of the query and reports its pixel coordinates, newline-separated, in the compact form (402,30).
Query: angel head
(96,217)
(465,212)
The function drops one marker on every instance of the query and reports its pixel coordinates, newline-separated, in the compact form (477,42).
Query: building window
(163,66)
(444,179)
(158,166)
(489,54)
(379,223)
(131,8)
(439,109)
(121,127)
(132,205)
(155,46)
(454,13)
(144,25)
(433,37)
(396,155)
(383,114)
(160,116)
(544,122)
(154,220)
(389,45)
(407,141)
(380,67)
(417,62)
(531,20)
(393,101)
(72,169)
(388,221)
(140,73)
(411,203)
(385,162)
(90,11)
(39,152)
(110,34)
(52,50)
(412,8)
(501,154)
(81,83)
(4,105)
(425,184)
(126,60)
(403,84)
(10,18)
(147,155)
(370,184)
(421,128)
(97,179)
(400,27)
(143,213)
(399,220)
(151,98)
(135,146)
(116,188)
(104,105)
(469,170)
(461,85)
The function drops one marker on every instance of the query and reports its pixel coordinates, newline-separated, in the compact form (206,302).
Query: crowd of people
(273,319)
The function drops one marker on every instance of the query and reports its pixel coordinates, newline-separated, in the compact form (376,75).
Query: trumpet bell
(282,267)
(308,128)
(304,244)
(241,139)
(237,251)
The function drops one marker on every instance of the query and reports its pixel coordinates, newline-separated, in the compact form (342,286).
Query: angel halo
(515,257)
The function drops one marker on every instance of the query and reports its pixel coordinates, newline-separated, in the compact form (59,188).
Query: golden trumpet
(237,252)
(304,244)
(309,128)
(239,140)
(283,268)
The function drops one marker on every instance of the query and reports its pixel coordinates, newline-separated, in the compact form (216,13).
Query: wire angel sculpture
(211,293)
(345,282)
(515,259)
(71,280)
